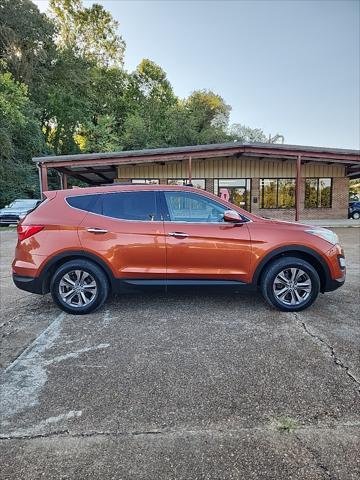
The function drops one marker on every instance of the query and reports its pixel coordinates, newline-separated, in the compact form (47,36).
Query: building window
(234,190)
(147,181)
(277,192)
(196,182)
(318,192)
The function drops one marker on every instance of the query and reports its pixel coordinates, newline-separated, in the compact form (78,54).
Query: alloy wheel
(292,286)
(77,288)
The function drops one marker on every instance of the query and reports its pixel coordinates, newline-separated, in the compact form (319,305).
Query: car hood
(296,225)
(13,211)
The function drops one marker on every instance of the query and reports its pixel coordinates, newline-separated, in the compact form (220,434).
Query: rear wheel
(290,284)
(79,287)
(356,215)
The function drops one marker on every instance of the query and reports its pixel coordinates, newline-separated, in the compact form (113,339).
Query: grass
(285,425)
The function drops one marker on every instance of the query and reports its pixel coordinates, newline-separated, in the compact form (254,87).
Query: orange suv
(82,244)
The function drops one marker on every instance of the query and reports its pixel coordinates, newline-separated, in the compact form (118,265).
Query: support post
(64,181)
(297,188)
(190,171)
(40,181)
(43,179)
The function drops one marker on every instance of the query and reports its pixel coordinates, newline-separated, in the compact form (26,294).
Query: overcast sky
(287,66)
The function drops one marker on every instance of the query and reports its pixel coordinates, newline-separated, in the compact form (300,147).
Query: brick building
(282,181)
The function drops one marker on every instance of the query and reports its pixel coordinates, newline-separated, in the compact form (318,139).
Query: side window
(89,203)
(130,205)
(189,207)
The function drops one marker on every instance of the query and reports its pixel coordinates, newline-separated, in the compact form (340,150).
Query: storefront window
(234,190)
(318,192)
(277,192)
(196,182)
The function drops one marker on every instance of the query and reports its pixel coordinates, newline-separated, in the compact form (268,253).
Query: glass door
(234,190)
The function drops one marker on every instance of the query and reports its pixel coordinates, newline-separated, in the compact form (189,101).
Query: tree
(20,138)
(209,109)
(244,134)
(68,102)
(91,31)
(99,137)
(26,41)
(209,115)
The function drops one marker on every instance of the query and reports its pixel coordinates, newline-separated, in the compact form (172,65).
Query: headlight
(325,234)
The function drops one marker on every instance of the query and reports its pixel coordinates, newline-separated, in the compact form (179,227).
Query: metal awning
(99,168)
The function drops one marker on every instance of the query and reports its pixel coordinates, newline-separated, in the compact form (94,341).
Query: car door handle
(178,234)
(97,230)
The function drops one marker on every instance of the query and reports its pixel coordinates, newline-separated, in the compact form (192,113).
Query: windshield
(23,204)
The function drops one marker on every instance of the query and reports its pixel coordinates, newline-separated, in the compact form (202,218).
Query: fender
(325,275)
(68,255)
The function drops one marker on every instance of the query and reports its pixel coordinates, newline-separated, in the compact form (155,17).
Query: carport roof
(269,148)
(97,168)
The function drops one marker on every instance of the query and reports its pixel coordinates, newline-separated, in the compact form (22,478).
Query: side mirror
(232,217)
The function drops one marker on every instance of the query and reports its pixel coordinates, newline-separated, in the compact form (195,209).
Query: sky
(286,66)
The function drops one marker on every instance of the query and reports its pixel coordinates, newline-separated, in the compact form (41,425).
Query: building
(282,181)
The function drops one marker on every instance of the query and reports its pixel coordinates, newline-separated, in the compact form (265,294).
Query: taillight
(26,231)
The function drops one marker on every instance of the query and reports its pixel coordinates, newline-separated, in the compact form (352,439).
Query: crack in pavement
(316,458)
(323,343)
(177,432)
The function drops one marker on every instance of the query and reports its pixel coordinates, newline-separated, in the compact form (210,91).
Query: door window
(130,205)
(189,207)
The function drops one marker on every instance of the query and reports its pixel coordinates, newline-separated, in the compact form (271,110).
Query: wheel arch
(297,251)
(55,262)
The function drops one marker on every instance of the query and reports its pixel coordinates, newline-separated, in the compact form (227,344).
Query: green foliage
(91,31)
(244,134)
(20,139)
(26,41)
(63,90)
(99,136)
(286,425)
(68,102)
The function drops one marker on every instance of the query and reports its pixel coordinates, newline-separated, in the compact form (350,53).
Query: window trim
(318,198)
(277,194)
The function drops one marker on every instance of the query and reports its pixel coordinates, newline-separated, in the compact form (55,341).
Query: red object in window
(224,194)
(26,231)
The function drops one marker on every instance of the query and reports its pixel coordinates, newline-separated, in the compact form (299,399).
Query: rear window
(89,203)
(131,205)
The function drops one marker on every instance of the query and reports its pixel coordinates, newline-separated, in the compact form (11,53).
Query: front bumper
(332,285)
(9,220)
(29,284)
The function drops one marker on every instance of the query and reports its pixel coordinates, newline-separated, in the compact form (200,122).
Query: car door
(126,229)
(200,245)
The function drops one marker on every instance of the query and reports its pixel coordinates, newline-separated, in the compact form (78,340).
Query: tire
(79,287)
(356,215)
(290,290)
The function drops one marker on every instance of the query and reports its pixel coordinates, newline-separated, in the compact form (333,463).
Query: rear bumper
(29,284)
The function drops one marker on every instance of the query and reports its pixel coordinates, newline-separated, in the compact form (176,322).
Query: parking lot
(187,385)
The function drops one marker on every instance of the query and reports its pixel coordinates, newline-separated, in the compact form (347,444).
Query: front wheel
(290,284)
(79,287)
(356,215)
